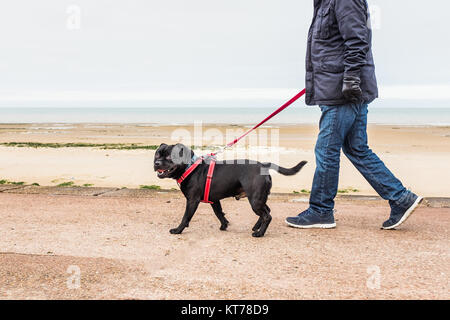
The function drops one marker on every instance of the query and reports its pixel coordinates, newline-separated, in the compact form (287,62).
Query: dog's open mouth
(164,172)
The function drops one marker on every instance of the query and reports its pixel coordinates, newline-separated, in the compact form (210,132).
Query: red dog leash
(273,114)
(213,160)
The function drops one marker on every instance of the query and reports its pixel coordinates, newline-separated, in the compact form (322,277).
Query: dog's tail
(285,171)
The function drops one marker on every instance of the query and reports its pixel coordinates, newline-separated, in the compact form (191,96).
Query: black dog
(238,179)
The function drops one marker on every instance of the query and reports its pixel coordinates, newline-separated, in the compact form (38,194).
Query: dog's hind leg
(260,220)
(263,211)
(267,218)
(258,190)
(217,207)
(257,224)
(191,207)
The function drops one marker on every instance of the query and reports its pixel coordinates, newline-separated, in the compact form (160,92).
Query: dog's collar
(194,158)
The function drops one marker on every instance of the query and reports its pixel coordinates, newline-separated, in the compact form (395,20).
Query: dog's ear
(181,154)
(185,151)
(181,149)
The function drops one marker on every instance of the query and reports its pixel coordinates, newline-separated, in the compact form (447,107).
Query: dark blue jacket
(339,44)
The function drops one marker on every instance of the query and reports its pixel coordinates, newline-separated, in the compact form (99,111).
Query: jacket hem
(336,102)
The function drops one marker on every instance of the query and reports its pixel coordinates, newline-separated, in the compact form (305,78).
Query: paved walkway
(118,241)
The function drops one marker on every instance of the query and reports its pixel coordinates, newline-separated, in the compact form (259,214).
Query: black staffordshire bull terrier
(236,178)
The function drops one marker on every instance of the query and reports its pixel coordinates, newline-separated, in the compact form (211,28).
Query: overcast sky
(202,52)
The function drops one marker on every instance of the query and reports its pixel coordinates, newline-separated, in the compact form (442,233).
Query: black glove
(351,90)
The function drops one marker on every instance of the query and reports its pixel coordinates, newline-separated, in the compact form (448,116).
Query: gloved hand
(351,89)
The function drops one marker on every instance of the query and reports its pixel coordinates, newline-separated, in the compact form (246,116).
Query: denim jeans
(345,127)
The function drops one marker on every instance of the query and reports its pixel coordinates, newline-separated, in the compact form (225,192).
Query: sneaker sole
(314,226)
(406,215)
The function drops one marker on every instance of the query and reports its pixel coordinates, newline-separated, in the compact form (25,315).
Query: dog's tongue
(160,170)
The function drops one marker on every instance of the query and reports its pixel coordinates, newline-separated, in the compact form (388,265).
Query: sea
(232,115)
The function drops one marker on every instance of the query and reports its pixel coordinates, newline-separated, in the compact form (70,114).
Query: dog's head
(172,160)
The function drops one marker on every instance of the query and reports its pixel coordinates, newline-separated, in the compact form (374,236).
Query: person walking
(340,78)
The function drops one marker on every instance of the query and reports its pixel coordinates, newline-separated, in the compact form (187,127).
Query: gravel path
(120,244)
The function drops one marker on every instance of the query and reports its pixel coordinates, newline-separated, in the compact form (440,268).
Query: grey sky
(188,51)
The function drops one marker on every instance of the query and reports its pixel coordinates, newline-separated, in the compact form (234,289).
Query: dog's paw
(257,234)
(175,231)
(224,227)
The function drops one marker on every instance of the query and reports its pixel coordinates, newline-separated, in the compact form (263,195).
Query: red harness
(209,176)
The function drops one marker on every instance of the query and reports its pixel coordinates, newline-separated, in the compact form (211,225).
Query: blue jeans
(345,127)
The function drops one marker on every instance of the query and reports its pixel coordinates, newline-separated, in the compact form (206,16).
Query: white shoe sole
(407,214)
(314,226)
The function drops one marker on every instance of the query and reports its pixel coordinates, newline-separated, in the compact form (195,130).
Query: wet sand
(419,156)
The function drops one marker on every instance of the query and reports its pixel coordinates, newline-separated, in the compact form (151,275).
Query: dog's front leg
(191,207)
(217,207)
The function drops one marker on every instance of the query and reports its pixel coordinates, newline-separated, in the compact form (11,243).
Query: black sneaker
(309,219)
(399,213)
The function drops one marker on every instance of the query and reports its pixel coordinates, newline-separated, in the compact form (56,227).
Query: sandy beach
(419,155)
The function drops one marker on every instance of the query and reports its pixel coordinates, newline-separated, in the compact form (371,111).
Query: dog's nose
(157,163)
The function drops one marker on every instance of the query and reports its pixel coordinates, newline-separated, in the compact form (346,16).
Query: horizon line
(439,92)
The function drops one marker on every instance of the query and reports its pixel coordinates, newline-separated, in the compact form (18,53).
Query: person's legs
(356,148)
(346,127)
(335,122)
(334,125)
